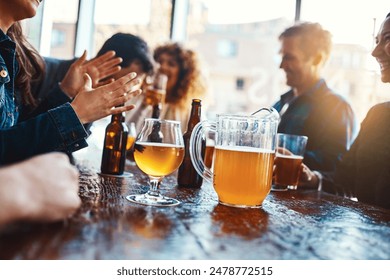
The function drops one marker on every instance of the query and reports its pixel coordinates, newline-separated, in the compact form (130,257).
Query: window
(58,28)
(149,19)
(227,48)
(53,30)
(239,39)
(351,70)
(240,84)
(32,28)
(58,38)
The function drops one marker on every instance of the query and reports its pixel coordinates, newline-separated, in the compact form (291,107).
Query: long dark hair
(31,65)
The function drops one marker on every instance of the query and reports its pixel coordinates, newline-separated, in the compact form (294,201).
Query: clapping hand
(99,70)
(93,104)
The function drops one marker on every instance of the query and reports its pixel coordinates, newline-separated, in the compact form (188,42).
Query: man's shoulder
(329,95)
(380,109)
(385,106)
(376,124)
(53,64)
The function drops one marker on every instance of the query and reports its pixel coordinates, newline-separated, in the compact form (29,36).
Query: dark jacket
(55,71)
(364,172)
(325,118)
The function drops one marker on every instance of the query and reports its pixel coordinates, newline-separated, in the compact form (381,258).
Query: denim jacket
(9,110)
(53,127)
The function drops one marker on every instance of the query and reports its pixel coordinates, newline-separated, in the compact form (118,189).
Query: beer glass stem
(154,185)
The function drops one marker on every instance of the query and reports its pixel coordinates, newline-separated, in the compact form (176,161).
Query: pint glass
(289,156)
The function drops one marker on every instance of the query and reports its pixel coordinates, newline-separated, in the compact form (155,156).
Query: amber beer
(154,96)
(208,157)
(155,92)
(158,159)
(287,170)
(243,175)
(114,148)
(130,142)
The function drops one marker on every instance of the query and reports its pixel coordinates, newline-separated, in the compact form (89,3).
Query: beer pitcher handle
(197,135)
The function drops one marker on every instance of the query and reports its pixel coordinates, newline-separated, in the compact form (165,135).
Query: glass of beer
(130,144)
(289,156)
(131,136)
(209,151)
(243,156)
(158,151)
(156,90)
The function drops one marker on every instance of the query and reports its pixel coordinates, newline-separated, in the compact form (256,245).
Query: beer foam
(289,156)
(155,144)
(245,149)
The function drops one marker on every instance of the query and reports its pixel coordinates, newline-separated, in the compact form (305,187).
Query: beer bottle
(156,111)
(187,175)
(114,149)
(156,136)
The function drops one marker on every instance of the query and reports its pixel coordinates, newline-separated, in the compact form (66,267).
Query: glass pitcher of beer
(243,156)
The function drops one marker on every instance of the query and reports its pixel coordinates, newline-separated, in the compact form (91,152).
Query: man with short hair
(310,107)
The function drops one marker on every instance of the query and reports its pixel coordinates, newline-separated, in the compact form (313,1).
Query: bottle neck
(118,117)
(195,116)
(156,111)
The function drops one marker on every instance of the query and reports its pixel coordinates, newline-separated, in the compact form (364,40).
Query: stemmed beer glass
(158,151)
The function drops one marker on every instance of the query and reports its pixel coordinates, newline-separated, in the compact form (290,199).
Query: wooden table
(290,225)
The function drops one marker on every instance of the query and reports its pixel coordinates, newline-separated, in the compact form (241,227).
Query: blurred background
(237,41)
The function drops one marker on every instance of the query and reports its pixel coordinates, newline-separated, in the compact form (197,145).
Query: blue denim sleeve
(59,129)
(55,98)
(69,127)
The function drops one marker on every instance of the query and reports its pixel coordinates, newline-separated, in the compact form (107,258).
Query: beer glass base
(292,187)
(239,205)
(151,200)
(124,175)
(279,188)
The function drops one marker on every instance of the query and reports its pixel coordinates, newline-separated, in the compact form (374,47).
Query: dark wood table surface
(290,225)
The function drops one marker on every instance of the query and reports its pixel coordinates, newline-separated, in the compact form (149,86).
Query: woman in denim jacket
(55,124)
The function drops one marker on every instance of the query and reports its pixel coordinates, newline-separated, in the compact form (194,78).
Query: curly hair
(31,65)
(190,83)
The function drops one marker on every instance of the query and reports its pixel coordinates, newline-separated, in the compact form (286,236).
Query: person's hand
(308,179)
(93,104)
(99,69)
(102,67)
(43,188)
